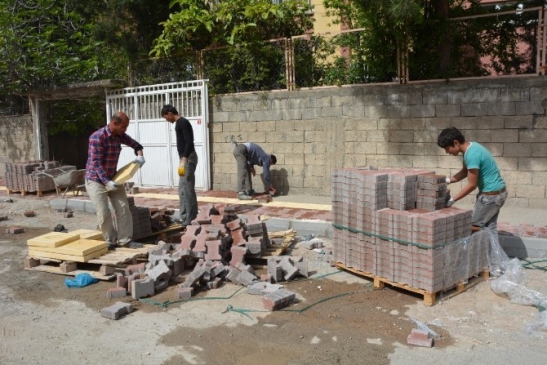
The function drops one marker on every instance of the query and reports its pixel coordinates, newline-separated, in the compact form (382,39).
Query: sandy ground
(339,318)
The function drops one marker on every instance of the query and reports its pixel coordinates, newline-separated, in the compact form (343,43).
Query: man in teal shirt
(482,172)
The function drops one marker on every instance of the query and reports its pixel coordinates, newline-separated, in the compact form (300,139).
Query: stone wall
(313,132)
(16,140)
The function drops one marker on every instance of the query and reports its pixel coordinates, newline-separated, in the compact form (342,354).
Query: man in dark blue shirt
(247,156)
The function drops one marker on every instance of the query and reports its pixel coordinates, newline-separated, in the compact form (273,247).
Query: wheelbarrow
(73,180)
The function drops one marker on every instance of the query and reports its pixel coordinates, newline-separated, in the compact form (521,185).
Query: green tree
(231,35)
(198,24)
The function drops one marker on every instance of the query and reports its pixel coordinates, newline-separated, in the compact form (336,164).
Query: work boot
(250,192)
(243,196)
(111,246)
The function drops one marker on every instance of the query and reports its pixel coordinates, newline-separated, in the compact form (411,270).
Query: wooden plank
(82,247)
(60,256)
(76,248)
(53,239)
(89,234)
(57,270)
(122,255)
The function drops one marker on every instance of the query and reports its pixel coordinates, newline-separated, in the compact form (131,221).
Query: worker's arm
(460,175)
(472,181)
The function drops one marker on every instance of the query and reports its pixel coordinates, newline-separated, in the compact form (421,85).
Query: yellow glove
(182,169)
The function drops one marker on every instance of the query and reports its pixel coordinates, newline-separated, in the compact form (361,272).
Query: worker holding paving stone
(105,146)
(481,170)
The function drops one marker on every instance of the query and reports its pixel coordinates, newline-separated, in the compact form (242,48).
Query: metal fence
(486,45)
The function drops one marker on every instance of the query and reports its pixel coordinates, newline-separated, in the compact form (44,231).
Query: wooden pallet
(39,193)
(102,268)
(429,297)
(53,266)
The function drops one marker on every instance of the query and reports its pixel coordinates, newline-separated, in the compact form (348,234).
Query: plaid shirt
(103,154)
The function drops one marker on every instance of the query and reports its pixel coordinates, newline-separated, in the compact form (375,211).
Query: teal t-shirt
(478,157)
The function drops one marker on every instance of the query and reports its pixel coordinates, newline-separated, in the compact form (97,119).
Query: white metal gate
(143,106)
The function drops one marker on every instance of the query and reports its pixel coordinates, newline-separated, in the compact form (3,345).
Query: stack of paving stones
(432,192)
(29,176)
(214,248)
(142,223)
(400,236)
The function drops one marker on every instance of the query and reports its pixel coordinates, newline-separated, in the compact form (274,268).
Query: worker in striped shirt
(105,146)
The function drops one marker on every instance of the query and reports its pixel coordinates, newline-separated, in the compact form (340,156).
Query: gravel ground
(339,318)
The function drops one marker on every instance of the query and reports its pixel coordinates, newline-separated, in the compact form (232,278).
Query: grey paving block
(142,288)
(306,227)
(116,310)
(278,224)
(58,203)
(76,205)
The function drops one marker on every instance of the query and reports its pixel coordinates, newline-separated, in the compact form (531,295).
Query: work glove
(450,202)
(111,186)
(140,160)
(448,179)
(182,169)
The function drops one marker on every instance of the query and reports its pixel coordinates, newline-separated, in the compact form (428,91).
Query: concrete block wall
(16,140)
(313,132)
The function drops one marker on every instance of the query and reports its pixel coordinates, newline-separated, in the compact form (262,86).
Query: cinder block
(160,274)
(278,299)
(67,267)
(107,270)
(30,263)
(184,293)
(142,288)
(117,310)
(116,292)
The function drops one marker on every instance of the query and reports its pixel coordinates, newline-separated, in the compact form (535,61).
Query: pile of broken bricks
(214,247)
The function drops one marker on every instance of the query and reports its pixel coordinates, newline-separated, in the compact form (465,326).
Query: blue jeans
(187,191)
(487,210)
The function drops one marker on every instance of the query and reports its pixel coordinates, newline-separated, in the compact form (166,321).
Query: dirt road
(339,318)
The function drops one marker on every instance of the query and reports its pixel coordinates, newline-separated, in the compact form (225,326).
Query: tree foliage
(437,46)
(200,24)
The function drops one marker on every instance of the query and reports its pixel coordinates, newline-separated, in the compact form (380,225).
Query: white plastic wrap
(509,280)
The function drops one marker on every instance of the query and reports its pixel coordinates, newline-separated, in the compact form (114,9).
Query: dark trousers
(244,181)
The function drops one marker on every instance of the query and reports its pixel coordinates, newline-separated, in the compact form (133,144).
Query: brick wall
(313,132)
(16,140)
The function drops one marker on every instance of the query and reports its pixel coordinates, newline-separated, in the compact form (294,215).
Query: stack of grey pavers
(142,224)
(30,176)
(392,224)
(214,247)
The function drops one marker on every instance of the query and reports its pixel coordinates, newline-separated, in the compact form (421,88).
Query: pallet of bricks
(28,177)
(392,226)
